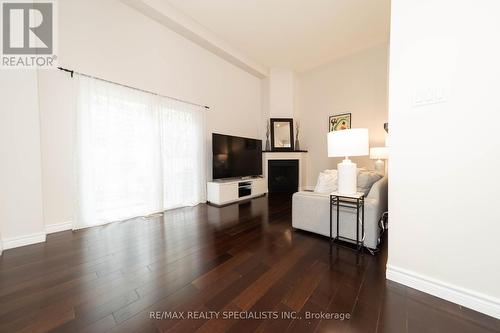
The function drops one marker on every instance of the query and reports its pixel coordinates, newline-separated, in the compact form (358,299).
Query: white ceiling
(298,34)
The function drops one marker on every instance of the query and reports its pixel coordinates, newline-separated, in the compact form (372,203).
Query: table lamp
(345,143)
(379,154)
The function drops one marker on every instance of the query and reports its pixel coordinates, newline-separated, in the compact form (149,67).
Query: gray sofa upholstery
(310,212)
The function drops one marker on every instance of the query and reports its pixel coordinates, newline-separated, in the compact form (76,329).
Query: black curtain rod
(72,73)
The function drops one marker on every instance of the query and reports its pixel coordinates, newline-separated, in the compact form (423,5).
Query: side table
(355,201)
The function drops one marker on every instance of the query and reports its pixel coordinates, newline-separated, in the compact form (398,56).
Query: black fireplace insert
(283,176)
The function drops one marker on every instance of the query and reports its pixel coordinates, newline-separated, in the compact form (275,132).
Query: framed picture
(339,122)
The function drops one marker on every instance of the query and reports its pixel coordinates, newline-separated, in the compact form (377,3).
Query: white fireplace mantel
(288,155)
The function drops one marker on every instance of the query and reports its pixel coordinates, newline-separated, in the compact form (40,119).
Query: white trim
(13,242)
(58,227)
(466,297)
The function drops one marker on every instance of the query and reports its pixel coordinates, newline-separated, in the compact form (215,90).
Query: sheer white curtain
(136,153)
(183,154)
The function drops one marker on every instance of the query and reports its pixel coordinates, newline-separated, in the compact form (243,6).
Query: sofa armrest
(311,194)
(379,190)
(377,197)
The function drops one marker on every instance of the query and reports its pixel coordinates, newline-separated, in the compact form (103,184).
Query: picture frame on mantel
(282,134)
(339,122)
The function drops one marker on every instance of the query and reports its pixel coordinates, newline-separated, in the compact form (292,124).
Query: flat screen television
(235,156)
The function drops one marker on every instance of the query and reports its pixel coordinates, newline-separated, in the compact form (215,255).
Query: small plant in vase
(268,132)
(297,131)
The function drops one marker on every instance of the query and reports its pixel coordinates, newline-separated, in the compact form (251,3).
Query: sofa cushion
(366,179)
(327,182)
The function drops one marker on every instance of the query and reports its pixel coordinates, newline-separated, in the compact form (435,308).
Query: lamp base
(347,177)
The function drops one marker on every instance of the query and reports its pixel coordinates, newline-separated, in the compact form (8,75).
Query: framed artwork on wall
(339,122)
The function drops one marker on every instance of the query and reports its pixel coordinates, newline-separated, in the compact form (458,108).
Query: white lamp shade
(349,142)
(379,153)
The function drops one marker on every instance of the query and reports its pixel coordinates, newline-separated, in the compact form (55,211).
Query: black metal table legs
(357,202)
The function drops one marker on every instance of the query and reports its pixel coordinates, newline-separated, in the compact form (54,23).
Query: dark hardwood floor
(238,258)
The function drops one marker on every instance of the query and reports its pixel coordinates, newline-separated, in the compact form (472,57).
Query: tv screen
(234,156)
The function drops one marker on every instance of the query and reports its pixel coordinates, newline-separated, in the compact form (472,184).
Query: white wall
(169,16)
(443,189)
(21,214)
(279,96)
(57,109)
(355,84)
(110,40)
(282,94)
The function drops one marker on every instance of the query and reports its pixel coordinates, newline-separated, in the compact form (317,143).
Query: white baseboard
(465,297)
(39,237)
(10,243)
(58,227)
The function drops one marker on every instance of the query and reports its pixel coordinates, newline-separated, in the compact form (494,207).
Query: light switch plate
(429,96)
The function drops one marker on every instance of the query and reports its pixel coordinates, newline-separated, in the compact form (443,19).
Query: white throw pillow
(327,182)
(366,179)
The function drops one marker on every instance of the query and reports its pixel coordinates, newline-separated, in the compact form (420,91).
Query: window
(136,153)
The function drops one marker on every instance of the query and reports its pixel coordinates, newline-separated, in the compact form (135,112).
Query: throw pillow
(327,182)
(366,179)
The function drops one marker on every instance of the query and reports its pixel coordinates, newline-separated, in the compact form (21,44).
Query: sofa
(310,212)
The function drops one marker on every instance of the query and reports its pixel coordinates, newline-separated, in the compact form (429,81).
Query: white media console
(223,192)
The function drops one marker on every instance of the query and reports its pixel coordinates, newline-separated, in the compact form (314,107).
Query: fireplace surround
(300,156)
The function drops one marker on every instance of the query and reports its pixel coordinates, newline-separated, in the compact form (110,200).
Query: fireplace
(283,176)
